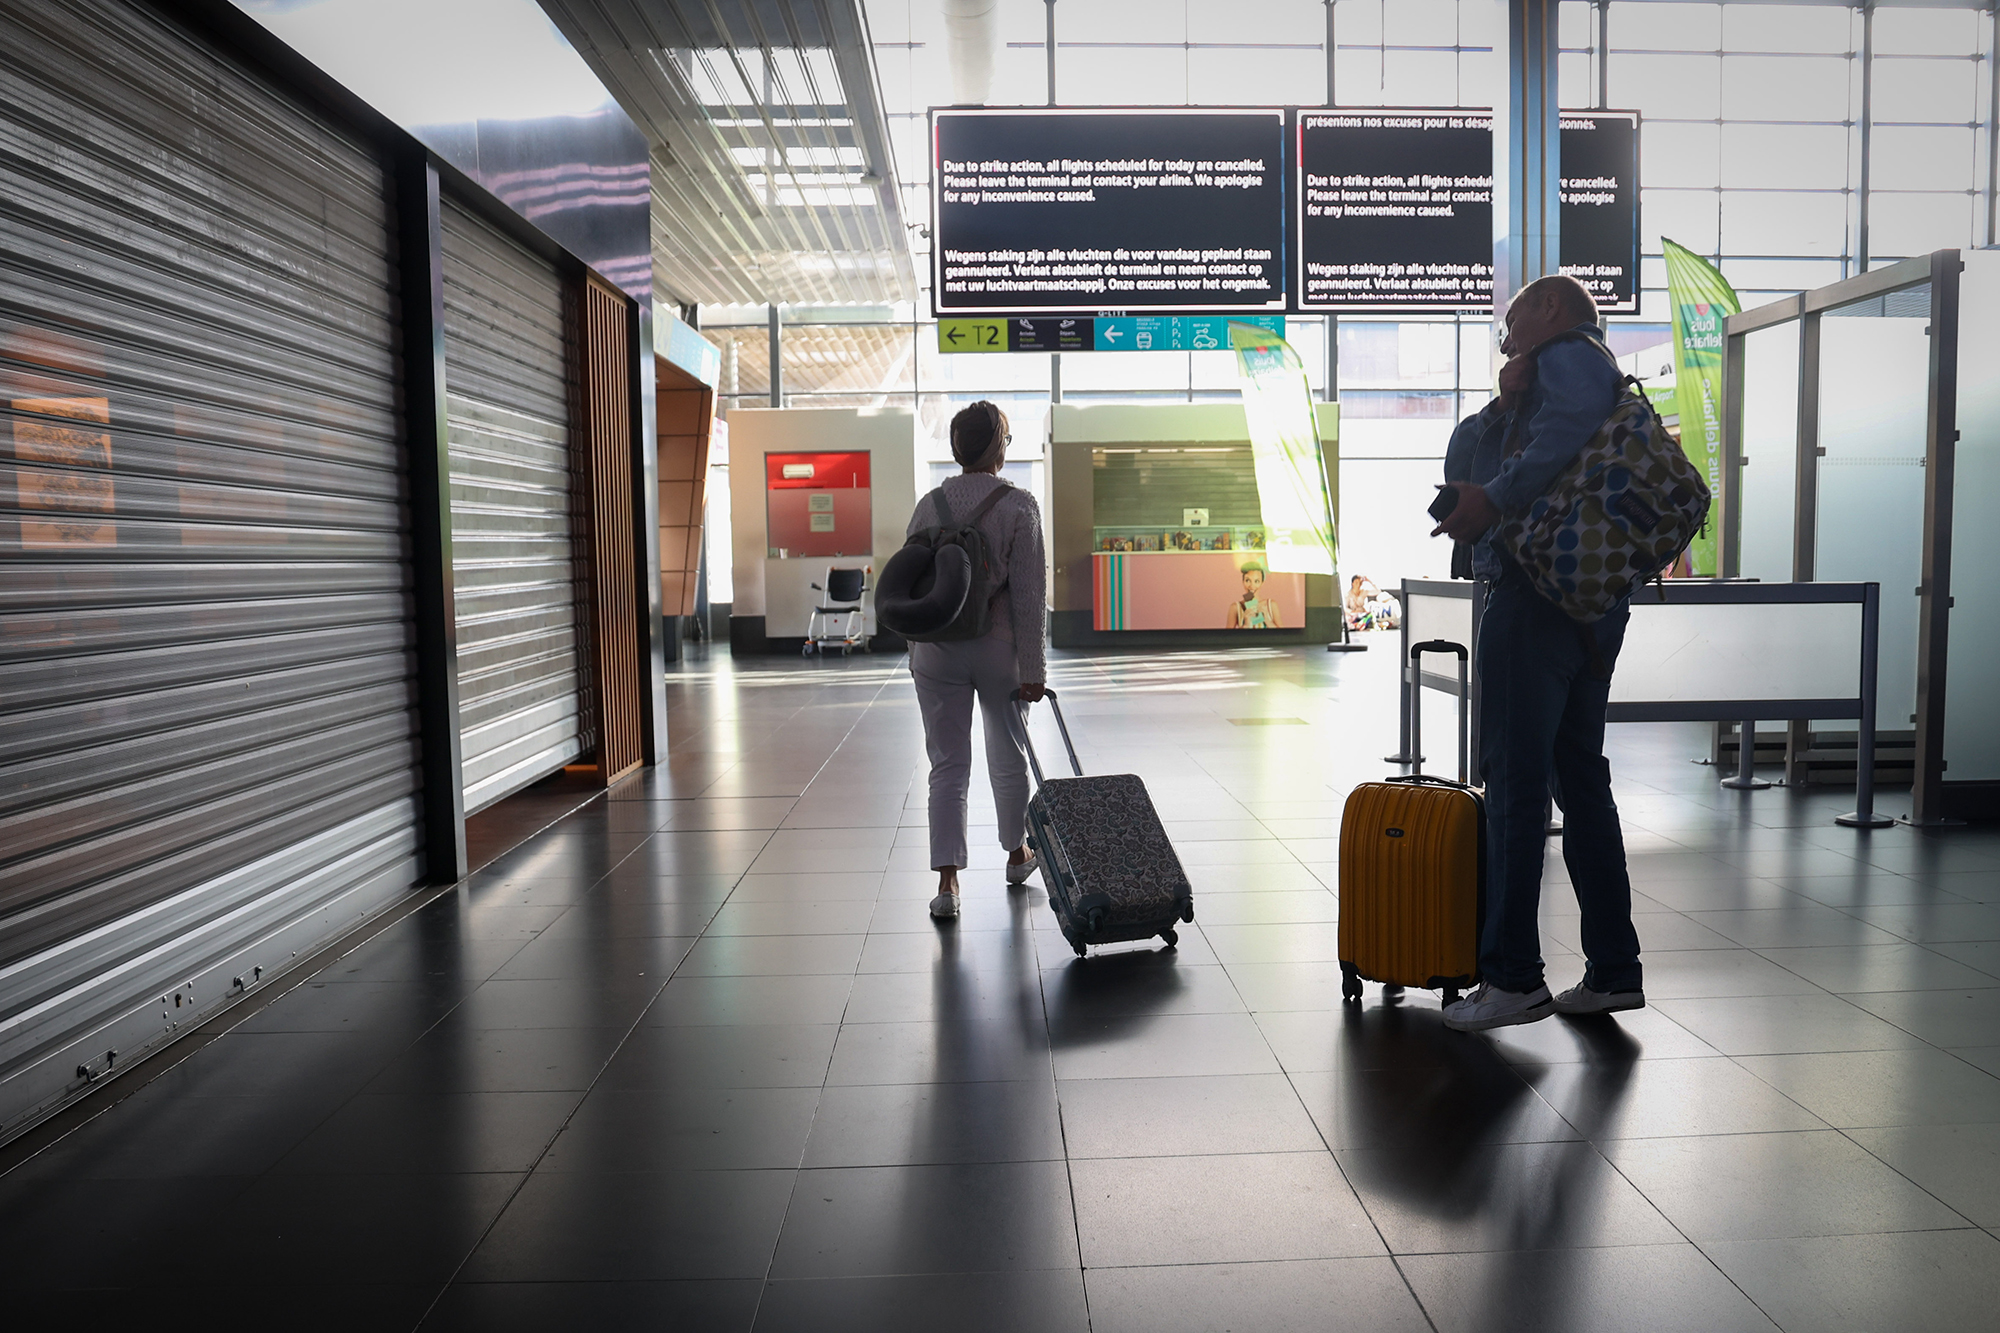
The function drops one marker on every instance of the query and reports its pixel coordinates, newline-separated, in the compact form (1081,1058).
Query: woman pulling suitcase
(991,668)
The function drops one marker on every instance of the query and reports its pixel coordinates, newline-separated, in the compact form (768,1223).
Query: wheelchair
(839,623)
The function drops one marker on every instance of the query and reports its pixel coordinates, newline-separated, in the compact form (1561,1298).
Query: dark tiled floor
(695,1058)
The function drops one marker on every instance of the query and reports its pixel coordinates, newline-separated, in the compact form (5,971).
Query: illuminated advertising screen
(1107,211)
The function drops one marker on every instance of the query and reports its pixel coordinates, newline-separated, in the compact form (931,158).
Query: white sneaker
(1581,999)
(1018,874)
(945,906)
(1491,1007)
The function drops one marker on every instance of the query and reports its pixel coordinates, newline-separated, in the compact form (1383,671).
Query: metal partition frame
(1686,592)
(1941,270)
(1681,592)
(1408,677)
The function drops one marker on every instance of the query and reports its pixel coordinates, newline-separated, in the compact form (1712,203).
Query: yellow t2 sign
(972,335)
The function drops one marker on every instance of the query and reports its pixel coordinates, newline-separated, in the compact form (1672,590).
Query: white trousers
(949,676)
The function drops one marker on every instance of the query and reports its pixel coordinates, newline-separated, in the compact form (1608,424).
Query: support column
(777,362)
(1993,124)
(1332,321)
(420,224)
(1867,137)
(1934,610)
(1049,47)
(1527,156)
(1603,44)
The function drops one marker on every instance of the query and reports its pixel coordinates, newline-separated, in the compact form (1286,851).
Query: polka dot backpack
(1621,512)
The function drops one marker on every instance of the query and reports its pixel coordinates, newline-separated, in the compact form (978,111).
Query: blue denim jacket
(1575,389)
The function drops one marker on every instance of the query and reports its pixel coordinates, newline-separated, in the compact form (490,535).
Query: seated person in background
(1368,607)
(1253,610)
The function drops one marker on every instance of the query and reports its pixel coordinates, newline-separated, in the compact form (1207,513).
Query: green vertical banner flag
(1284,441)
(1700,298)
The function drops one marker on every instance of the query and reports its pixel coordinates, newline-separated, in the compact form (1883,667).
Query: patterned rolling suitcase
(1111,873)
(1413,870)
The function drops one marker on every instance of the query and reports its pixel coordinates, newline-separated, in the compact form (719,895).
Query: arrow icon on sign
(1113,333)
(954,335)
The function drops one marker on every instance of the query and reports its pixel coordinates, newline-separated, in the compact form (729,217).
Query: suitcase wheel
(1187,910)
(1078,946)
(1170,936)
(1350,982)
(1451,995)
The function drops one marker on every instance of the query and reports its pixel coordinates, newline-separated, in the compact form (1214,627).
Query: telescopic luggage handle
(1417,652)
(1028,738)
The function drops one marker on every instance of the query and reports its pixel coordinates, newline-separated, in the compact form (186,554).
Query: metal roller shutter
(207,730)
(513,498)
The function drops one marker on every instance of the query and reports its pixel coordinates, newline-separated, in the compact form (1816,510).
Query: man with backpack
(1545,677)
(991,647)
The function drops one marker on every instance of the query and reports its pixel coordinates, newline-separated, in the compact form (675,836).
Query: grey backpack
(939,587)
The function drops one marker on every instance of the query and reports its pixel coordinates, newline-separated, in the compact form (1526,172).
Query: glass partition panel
(1972,705)
(1768,488)
(1874,400)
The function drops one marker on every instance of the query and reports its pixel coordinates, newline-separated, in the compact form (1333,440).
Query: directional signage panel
(973,335)
(1090,211)
(1119,333)
(1394,209)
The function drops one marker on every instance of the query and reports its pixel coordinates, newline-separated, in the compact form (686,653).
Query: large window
(1752,155)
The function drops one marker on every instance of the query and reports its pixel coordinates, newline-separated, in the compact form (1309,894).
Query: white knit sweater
(1013,532)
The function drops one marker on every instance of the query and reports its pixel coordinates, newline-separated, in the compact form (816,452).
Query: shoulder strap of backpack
(999,494)
(941,507)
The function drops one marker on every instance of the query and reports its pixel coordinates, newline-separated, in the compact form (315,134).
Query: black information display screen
(1394,209)
(1600,205)
(1089,211)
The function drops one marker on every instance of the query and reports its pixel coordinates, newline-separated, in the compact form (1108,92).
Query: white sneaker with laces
(945,906)
(1018,874)
(1581,999)
(1491,1007)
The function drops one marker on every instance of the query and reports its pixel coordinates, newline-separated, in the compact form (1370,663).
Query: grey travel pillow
(922,589)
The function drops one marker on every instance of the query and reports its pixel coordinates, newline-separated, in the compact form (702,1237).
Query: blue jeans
(1541,715)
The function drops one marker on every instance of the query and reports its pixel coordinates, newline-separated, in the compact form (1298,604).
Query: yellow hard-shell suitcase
(1412,871)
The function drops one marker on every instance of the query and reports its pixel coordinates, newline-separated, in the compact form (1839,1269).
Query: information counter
(1156,533)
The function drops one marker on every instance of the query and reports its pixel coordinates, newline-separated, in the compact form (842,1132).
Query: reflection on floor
(696,1058)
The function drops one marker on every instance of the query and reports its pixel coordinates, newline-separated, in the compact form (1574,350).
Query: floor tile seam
(1062,1138)
(1416,1298)
(1801,975)
(512,1195)
(344,1102)
(1381,1237)
(205,1035)
(1702,1245)
(826,1075)
(1676,1227)
(1955,1211)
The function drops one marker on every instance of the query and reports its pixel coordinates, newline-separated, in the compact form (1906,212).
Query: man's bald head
(1544,308)
(1565,296)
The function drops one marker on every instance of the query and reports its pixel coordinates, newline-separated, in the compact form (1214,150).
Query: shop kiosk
(814,489)
(1157,538)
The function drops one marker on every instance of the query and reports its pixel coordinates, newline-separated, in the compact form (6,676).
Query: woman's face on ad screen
(1253,583)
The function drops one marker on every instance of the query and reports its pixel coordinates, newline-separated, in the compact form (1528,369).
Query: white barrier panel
(1746,654)
(1429,616)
